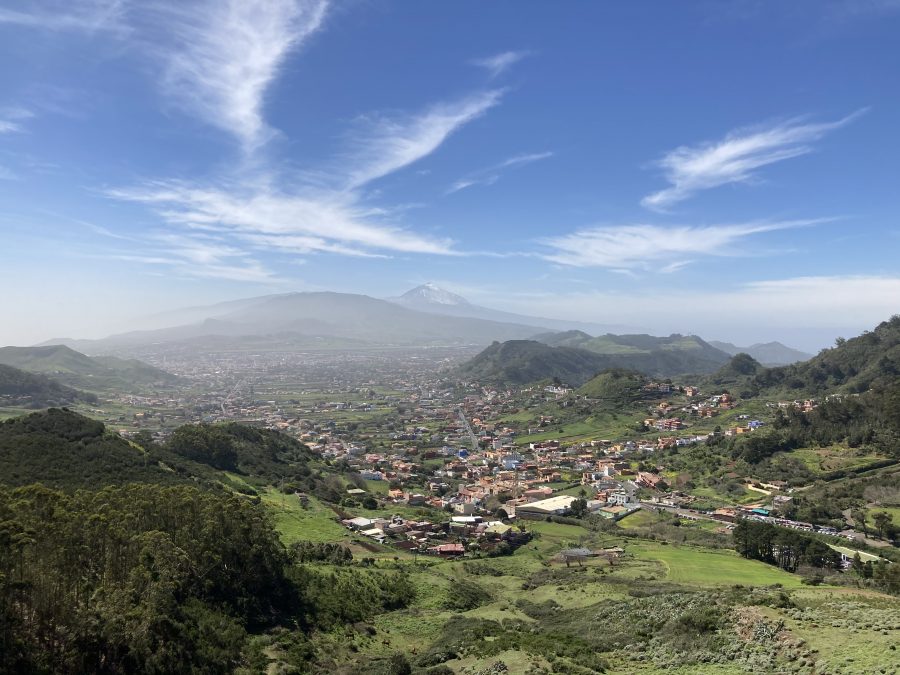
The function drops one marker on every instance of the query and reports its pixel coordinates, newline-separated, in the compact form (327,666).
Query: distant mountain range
(424,316)
(75,369)
(321,319)
(767,353)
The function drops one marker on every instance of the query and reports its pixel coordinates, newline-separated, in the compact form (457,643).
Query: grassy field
(711,567)
(602,425)
(316,522)
(823,460)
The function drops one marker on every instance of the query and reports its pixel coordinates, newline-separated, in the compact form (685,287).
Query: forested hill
(85,372)
(19,388)
(66,450)
(524,361)
(869,361)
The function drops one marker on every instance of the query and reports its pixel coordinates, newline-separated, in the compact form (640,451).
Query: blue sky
(725,168)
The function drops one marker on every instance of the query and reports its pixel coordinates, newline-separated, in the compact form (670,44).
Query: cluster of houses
(447,539)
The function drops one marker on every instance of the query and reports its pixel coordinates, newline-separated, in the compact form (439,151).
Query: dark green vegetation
(869,361)
(789,549)
(145,578)
(65,450)
(62,449)
(168,568)
(84,372)
(871,419)
(525,361)
(574,358)
(30,390)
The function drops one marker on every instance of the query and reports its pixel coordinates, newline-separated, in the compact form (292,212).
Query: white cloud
(67,15)
(198,257)
(221,56)
(11,118)
(312,222)
(224,58)
(381,145)
(640,246)
(491,174)
(499,63)
(735,158)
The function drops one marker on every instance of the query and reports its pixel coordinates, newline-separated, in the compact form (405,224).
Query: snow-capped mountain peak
(432,294)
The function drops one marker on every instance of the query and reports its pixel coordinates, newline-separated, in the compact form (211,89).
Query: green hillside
(661,356)
(869,361)
(617,388)
(84,372)
(19,388)
(525,361)
(66,450)
(574,357)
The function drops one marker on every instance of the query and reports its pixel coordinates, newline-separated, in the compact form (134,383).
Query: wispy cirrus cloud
(667,248)
(201,257)
(221,56)
(67,15)
(323,210)
(330,212)
(499,63)
(491,174)
(735,158)
(11,119)
(312,222)
(380,145)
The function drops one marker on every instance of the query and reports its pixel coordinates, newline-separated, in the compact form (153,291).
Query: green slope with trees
(574,357)
(868,361)
(85,372)
(19,388)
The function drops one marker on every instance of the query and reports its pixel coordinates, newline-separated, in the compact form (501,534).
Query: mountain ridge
(767,353)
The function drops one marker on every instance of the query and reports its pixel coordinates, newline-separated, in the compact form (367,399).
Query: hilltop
(85,372)
(63,449)
(675,354)
(526,361)
(574,357)
(19,388)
